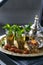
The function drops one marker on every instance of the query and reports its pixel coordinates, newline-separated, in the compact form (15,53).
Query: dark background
(20,11)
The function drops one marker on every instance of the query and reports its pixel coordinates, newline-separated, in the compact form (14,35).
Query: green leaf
(27,27)
(7,26)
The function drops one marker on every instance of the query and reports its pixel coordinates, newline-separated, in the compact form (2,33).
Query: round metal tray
(18,54)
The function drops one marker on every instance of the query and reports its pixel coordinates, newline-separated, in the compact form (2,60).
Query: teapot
(36,27)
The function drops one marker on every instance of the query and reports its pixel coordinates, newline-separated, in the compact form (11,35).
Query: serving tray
(18,54)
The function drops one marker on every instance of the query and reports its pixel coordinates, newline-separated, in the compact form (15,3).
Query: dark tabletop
(27,60)
(23,60)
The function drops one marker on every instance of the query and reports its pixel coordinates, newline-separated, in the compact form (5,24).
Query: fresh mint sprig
(8,28)
(18,30)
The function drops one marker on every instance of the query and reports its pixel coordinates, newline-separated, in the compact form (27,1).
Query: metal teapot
(36,27)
